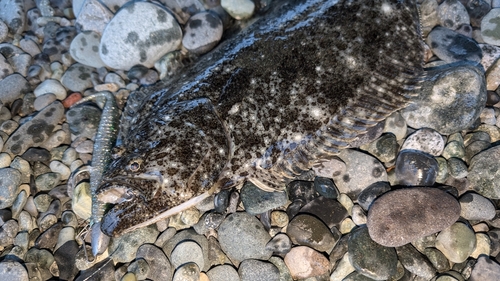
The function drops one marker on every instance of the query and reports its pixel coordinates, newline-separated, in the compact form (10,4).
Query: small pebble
(476,207)
(456,242)
(304,262)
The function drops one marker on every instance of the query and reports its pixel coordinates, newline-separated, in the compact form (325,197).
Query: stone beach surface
(419,199)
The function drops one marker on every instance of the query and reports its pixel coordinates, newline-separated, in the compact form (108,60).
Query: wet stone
(437,259)
(476,207)
(187,272)
(370,258)
(474,148)
(456,242)
(369,194)
(484,173)
(203,31)
(384,148)
(454,149)
(124,42)
(325,187)
(65,259)
(415,168)
(358,163)
(307,230)
(457,168)
(256,201)
(401,216)
(188,235)
(415,262)
(255,270)
(304,262)
(10,179)
(238,9)
(280,244)
(329,211)
(12,270)
(426,140)
(47,181)
(242,236)
(223,272)
(451,46)
(449,102)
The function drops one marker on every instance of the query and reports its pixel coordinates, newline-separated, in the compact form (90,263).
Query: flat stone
(13,87)
(129,40)
(476,207)
(255,270)
(452,46)
(304,262)
(485,269)
(257,201)
(9,186)
(370,258)
(401,216)
(307,230)
(426,140)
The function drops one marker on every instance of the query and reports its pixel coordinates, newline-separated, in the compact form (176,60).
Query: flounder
(285,94)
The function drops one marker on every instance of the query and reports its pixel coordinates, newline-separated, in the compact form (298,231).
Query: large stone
(404,215)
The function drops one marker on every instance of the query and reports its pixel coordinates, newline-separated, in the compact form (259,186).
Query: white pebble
(5,160)
(51,86)
(58,167)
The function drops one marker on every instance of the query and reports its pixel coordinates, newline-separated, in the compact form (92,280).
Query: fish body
(285,94)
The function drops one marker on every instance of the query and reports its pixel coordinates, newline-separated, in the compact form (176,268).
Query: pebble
(307,230)
(304,262)
(329,211)
(404,215)
(325,187)
(124,248)
(489,27)
(83,120)
(343,269)
(51,86)
(425,140)
(203,32)
(125,43)
(47,181)
(13,87)
(369,257)
(483,246)
(437,259)
(485,269)
(65,257)
(186,252)
(12,270)
(456,242)
(358,163)
(242,237)
(223,272)
(93,16)
(484,173)
(256,270)
(415,262)
(280,244)
(369,194)
(187,272)
(77,77)
(5,67)
(448,104)
(12,13)
(457,168)
(238,9)
(415,168)
(476,207)
(492,75)
(43,101)
(257,201)
(384,148)
(188,235)
(159,266)
(452,14)
(451,46)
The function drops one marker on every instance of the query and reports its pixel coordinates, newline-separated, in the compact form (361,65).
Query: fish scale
(285,94)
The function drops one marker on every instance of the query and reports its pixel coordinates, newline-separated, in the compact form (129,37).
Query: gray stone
(415,262)
(10,179)
(51,86)
(85,49)
(485,269)
(401,216)
(5,67)
(13,87)
(438,259)
(384,148)
(187,272)
(329,211)
(186,252)
(257,201)
(255,270)
(129,40)
(484,173)
(13,14)
(489,27)
(452,46)
(358,163)
(12,270)
(415,168)
(450,101)
(370,258)
(452,14)
(93,16)
(223,272)
(8,232)
(238,9)
(476,207)
(203,31)
(242,237)
(159,265)
(65,257)
(125,247)
(457,168)
(280,244)
(39,128)
(369,194)
(84,120)
(77,77)
(426,140)
(188,235)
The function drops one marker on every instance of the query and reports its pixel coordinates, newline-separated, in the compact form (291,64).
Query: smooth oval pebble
(456,242)
(426,140)
(476,207)
(401,216)
(416,168)
(305,262)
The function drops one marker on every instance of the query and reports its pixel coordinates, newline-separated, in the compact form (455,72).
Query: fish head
(171,160)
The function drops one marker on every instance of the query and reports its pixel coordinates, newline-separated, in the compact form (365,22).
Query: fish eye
(134,165)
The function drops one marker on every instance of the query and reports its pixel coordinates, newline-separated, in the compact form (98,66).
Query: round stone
(401,216)
(238,9)
(476,207)
(426,140)
(484,173)
(257,201)
(223,272)
(250,270)
(12,270)
(415,168)
(203,31)
(85,49)
(452,46)
(452,14)
(307,230)
(10,179)
(456,242)
(187,252)
(77,77)
(489,27)
(129,39)
(51,86)
(304,262)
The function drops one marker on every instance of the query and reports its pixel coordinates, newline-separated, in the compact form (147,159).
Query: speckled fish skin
(285,94)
